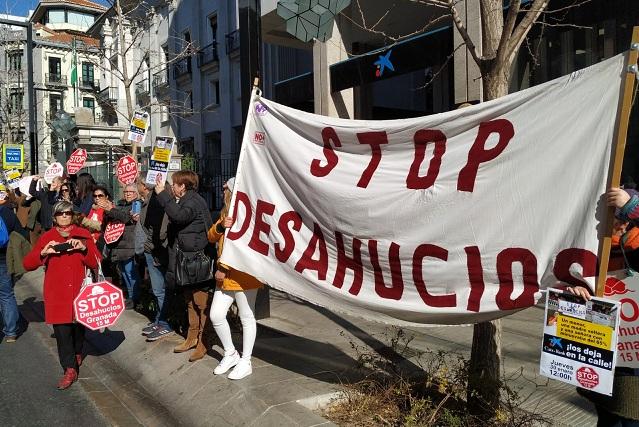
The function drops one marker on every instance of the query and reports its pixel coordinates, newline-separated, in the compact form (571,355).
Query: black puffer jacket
(189,221)
(124,248)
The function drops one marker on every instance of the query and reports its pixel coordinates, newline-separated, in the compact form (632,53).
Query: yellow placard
(161,154)
(139,123)
(584,332)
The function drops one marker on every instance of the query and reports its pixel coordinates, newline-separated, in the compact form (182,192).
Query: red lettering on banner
(328,135)
(475,277)
(631,317)
(375,140)
(566,258)
(344,262)
(396,289)
(283,253)
(256,243)
(241,197)
(306,262)
(505,261)
(479,154)
(434,251)
(422,138)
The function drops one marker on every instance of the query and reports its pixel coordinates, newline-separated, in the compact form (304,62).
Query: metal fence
(214,172)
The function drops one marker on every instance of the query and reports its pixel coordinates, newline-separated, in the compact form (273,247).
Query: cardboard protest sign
(160,158)
(12,177)
(98,305)
(139,126)
(113,232)
(127,170)
(53,170)
(443,219)
(76,161)
(3,191)
(625,289)
(580,341)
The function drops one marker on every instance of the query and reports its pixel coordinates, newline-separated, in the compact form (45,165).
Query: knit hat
(230,184)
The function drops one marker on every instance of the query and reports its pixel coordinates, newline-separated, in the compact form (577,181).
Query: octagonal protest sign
(127,170)
(98,305)
(113,232)
(76,161)
(53,170)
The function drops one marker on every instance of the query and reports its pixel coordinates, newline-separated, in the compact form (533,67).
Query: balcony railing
(89,84)
(160,78)
(232,41)
(142,87)
(55,79)
(108,95)
(181,68)
(207,55)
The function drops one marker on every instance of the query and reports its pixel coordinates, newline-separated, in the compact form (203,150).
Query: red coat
(64,273)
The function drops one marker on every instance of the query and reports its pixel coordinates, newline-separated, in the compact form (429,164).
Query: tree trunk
(484,371)
(125,74)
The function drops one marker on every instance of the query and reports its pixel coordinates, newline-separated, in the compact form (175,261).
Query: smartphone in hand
(62,247)
(136,206)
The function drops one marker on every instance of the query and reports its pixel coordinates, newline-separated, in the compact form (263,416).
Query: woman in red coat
(64,273)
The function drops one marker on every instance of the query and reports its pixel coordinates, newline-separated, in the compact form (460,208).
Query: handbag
(193,268)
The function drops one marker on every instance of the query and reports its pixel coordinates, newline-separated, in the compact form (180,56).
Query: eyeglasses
(99,196)
(129,192)
(64,213)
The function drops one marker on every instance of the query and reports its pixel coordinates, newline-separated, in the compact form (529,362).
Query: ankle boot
(202,347)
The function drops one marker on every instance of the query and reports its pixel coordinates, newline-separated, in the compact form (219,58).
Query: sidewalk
(301,357)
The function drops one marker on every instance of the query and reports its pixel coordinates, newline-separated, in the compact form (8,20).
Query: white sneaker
(241,370)
(227,363)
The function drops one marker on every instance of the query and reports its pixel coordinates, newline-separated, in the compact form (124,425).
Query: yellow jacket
(235,280)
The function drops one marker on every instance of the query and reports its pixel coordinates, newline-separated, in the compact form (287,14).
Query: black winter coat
(189,221)
(124,248)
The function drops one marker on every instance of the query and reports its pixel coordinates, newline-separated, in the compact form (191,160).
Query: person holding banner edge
(232,285)
(64,274)
(620,409)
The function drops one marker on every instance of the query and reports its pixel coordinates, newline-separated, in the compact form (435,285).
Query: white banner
(625,289)
(451,218)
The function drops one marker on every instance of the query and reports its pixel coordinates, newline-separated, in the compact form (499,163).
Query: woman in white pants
(232,285)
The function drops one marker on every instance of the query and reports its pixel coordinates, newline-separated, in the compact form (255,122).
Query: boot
(70,376)
(192,336)
(201,301)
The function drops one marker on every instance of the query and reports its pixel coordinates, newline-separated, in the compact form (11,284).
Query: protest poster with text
(138,128)
(580,341)
(625,289)
(458,217)
(160,158)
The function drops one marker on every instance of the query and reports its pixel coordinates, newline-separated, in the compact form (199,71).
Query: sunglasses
(64,213)
(99,196)
(64,190)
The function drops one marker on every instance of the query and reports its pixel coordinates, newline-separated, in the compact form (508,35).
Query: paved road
(28,375)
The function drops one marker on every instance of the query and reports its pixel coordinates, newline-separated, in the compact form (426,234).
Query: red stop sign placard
(113,232)
(76,161)
(127,170)
(98,305)
(587,377)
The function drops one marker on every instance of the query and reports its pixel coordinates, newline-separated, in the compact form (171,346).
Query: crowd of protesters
(61,227)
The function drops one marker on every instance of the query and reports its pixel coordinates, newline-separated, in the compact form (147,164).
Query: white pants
(245,301)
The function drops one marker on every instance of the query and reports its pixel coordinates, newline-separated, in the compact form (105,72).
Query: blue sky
(21,7)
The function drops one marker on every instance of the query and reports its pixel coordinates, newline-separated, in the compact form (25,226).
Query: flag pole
(614,177)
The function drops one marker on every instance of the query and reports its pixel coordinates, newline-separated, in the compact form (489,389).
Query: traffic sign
(53,170)
(13,156)
(113,232)
(127,170)
(76,161)
(98,305)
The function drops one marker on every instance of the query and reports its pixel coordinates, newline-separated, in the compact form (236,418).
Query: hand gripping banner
(457,217)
